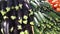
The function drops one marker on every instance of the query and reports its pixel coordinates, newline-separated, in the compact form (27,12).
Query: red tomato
(49,0)
(59,5)
(58,9)
(56,5)
(57,2)
(54,1)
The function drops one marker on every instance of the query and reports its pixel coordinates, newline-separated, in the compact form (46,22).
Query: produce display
(55,4)
(16,17)
(46,18)
(29,16)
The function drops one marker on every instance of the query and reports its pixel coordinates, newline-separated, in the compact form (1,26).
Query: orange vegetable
(58,9)
(55,4)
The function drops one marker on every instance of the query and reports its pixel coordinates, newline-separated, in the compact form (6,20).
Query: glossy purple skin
(18,13)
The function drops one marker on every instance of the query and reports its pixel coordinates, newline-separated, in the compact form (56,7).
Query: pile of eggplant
(16,17)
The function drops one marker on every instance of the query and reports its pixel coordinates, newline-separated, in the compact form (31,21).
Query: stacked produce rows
(28,17)
(46,19)
(16,17)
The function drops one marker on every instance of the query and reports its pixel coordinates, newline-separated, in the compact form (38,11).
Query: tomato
(59,5)
(55,4)
(54,1)
(58,9)
(49,0)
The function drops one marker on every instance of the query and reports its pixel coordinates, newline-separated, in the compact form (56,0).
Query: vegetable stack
(46,19)
(16,17)
(29,17)
(55,4)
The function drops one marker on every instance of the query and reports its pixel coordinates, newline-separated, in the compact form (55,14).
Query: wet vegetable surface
(15,17)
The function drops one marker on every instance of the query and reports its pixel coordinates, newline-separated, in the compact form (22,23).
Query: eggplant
(5,26)
(20,3)
(0,18)
(9,5)
(3,6)
(30,16)
(16,13)
(25,12)
(12,12)
(5,22)
(18,21)
(19,16)
(26,18)
(16,4)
